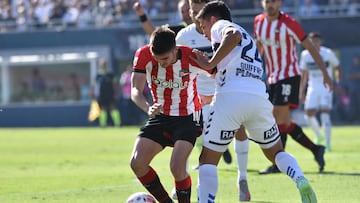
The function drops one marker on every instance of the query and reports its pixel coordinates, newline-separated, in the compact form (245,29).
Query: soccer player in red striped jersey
(175,115)
(277,35)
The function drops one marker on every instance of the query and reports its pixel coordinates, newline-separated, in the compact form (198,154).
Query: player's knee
(177,170)
(136,165)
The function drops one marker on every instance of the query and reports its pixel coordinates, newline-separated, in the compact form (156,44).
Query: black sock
(152,183)
(299,136)
(183,196)
(183,190)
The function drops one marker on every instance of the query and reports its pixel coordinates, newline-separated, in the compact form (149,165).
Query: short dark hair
(215,8)
(315,35)
(199,1)
(162,40)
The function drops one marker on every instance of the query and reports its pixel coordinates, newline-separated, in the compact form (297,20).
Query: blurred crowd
(24,15)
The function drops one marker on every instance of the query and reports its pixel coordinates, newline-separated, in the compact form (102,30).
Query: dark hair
(315,35)
(162,40)
(215,8)
(199,1)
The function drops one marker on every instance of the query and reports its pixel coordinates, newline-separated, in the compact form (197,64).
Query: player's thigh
(223,121)
(261,125)
(144,151)
(326,100)
(312,100)
(241,133)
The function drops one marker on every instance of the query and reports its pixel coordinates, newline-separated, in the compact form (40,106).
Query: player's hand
(154,110)
(328,83)
(138,8)
(201,59)
(302,98)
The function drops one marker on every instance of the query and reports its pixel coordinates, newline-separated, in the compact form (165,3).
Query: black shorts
(285,92)
(166,130)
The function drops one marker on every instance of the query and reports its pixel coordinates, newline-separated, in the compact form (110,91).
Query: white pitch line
(70,191)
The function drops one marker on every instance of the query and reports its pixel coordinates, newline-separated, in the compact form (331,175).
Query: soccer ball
(141,197)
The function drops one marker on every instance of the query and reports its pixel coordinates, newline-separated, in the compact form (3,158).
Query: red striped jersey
(174,86)
(279,39)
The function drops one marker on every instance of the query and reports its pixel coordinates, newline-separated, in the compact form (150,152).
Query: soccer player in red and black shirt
(175,116)
(277,35)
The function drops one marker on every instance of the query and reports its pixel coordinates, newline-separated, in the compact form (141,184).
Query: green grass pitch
(78,165)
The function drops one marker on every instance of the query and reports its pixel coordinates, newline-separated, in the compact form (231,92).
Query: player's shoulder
(259,17)
(326,49)
(178,27)
(187,30)
(145,48)
(287,19)
(143,51)
(221,24)
(185,49)
(143,55)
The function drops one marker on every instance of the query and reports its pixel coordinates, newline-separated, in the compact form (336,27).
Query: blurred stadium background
(62,40)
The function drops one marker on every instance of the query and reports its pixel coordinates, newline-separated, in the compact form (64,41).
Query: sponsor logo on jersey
(227,135)
(271,43)
(169,83)
(272,132)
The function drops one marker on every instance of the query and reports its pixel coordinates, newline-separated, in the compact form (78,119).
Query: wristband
(143,18)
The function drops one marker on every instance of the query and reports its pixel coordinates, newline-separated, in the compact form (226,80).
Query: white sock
(207,183)
(326,123)
(242,149)
(288,165)
(314,125)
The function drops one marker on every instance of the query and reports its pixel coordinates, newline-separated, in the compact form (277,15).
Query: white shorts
(318,99)
(229,110)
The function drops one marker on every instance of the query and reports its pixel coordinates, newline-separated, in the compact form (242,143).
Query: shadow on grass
(234,170)
(335,173)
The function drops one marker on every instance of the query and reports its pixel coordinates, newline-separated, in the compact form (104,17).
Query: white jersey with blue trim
(241,70)
(315,75)
(189,36)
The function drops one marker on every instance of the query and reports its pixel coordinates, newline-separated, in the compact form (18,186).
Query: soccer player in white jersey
(318,98)
(175,116)
(277,35)
(192,36)
(240,99)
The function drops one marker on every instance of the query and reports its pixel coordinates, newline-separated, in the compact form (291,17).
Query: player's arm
(231,38)
(303,82)
(145,22)
(260,47)
(138,81)
(307,44)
